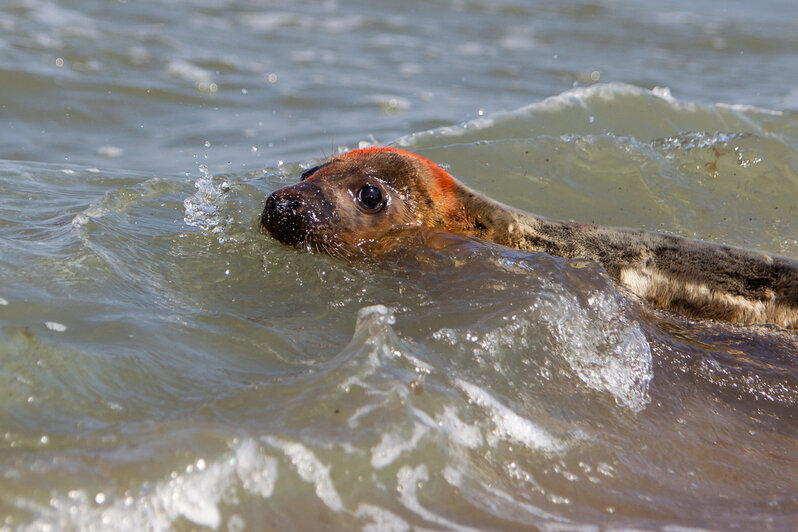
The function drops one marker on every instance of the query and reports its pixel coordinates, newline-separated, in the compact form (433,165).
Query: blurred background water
(163,365)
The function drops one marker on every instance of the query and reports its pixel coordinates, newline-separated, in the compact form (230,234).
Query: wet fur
(694,278)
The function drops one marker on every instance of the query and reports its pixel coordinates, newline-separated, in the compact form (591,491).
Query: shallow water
(164,365)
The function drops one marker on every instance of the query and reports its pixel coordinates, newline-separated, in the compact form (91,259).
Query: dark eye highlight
(370,198)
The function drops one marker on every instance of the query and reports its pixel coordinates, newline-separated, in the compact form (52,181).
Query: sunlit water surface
(164,365)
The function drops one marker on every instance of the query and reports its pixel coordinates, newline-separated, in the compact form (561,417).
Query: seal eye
(370,198)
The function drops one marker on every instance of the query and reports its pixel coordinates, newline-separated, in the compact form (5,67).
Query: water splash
(204,208)
(606,349)
(694,139)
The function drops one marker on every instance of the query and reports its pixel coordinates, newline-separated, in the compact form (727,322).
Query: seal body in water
(366,195)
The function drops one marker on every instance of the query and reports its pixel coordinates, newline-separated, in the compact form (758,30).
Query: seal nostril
(293,205)
(270,204)
(280,204)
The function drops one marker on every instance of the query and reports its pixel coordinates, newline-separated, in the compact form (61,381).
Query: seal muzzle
(295,214)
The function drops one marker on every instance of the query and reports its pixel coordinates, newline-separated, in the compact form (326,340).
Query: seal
(366,195)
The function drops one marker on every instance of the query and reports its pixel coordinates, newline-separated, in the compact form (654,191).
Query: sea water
(165,365)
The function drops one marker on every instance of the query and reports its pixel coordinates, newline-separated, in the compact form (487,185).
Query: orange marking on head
(440,186)
(444,182)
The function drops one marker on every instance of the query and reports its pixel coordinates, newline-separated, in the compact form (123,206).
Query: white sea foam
(580,97)
(744,108)
(311,470)
(392,445)
(344,23)
(110,151)
(381,520)
(458,431)
(55,326)
(381,312)
(390,103)
(590,98)
(194,494)
(583,97)
(509,424)
(497,497)
(67,20)
(408,480)
(188,71)
(268,21)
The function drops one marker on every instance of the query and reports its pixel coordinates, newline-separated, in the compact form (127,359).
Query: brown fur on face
(695,278)
(323,212)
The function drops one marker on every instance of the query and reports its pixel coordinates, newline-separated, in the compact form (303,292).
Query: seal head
(360,197)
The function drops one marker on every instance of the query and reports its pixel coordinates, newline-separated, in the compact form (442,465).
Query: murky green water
(164,365)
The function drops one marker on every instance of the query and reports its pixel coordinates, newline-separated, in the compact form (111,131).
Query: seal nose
(283,216)
(283,204)
(298,214)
